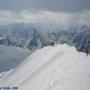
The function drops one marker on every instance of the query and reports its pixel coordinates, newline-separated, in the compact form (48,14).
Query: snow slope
(52,68)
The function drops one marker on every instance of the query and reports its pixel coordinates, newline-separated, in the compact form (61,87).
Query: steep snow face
(52,68)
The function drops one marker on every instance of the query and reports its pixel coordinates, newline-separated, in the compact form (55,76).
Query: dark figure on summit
(52,43)
(87,52)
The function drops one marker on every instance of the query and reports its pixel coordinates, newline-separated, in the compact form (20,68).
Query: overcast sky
(51,5)
(63,12)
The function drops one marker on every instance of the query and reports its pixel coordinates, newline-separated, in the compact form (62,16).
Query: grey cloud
(63,19)
(51,5)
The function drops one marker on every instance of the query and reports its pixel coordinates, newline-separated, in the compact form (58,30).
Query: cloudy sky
(51,5)
(62,12)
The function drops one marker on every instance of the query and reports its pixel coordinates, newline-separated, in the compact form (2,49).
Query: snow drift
(52,68)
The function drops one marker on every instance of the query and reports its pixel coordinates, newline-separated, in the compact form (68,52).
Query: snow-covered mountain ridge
(52,68)
(33,36)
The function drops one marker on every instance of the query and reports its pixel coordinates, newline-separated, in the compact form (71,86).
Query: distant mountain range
(34,36)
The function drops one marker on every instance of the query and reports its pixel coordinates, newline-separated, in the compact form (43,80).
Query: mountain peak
(58,67)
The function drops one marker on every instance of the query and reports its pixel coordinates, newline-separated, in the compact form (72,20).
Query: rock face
(33,37)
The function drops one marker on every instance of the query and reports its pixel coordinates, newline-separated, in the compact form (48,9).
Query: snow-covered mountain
(52,68)
(33,36)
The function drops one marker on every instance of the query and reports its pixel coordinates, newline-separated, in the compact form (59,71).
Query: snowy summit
(58,67)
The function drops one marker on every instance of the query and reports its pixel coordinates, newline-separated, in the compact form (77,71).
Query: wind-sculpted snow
(34,36)
(59,67)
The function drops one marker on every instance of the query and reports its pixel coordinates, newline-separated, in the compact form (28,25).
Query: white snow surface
(52,68)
